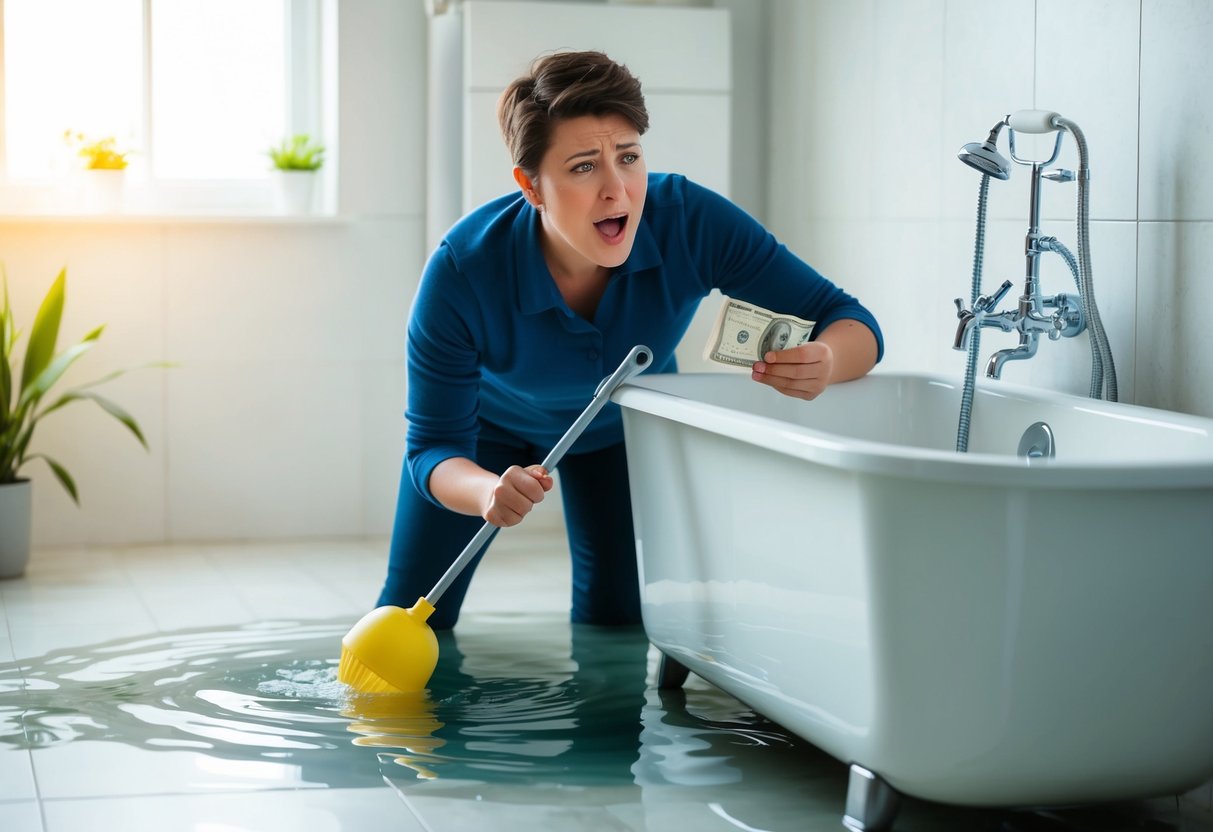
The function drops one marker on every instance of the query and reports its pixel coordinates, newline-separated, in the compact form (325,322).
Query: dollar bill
(743,333)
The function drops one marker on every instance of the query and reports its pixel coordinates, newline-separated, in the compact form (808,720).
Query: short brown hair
(560,86)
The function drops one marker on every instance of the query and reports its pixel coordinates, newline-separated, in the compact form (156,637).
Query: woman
(532,299)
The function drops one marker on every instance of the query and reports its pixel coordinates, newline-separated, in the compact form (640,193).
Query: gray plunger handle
(637,360)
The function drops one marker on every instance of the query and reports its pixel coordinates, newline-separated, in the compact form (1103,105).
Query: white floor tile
(21,816)
(6,642)
(108,769)
(46,618)
(325,810)
(477,815)
(16,776)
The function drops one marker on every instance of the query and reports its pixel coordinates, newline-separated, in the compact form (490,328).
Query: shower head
(984,156)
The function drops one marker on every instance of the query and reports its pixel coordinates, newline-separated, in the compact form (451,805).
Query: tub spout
(1028,342)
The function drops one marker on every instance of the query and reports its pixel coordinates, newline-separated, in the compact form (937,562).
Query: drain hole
(1037,442)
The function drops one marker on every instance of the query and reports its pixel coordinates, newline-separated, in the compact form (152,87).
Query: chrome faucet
(1058,316)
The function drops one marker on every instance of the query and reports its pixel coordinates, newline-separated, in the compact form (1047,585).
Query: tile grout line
(29,754)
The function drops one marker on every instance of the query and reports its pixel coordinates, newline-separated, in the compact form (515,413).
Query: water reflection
(528,721)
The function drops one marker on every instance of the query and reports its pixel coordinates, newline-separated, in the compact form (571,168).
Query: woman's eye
(584,167)
(630,158)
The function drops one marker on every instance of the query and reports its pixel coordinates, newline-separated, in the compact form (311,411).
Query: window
(198,90)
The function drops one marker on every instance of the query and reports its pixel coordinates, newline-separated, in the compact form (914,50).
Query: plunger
(392,649)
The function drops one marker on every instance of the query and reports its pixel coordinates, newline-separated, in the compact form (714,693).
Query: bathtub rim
(644,394)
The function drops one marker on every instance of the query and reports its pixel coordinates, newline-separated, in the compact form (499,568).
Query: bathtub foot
(670,674)
(871,802)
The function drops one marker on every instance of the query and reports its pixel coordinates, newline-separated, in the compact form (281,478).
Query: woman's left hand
(802,372)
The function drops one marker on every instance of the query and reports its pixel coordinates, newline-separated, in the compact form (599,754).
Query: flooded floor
(166,690)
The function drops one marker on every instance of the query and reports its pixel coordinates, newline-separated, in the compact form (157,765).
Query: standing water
(528,723)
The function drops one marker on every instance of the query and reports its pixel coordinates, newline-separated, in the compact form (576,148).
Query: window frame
(310,106)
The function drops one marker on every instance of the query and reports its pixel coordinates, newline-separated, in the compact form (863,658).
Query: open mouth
(611,229)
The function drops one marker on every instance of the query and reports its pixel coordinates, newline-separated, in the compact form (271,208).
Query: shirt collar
(537,291)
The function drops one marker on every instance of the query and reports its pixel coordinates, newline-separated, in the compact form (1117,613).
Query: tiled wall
(869,103)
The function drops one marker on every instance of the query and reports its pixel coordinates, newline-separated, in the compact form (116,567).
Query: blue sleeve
(443,370)
(745,261)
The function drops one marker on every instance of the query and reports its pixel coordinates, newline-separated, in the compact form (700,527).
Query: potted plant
(24,403)
(296,161)
(104,170)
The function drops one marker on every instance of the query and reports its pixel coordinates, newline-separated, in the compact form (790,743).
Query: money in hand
(744,333)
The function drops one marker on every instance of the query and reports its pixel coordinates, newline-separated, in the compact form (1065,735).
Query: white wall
(285,416)
(873,98)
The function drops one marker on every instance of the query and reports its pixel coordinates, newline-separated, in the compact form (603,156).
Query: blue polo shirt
(492,345)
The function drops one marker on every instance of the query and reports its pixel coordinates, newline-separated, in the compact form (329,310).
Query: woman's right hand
(515,494)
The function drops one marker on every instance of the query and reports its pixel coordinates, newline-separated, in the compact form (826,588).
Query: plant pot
(14,528)
(294,191)
(103,190)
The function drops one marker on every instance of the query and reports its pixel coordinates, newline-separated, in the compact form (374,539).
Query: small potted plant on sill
(296,161)
(24,403)
(104,170)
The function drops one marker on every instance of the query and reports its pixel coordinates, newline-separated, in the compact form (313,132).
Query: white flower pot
(14,528)
(103,190)
(294,191)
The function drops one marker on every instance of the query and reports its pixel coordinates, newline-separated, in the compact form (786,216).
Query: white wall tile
(381,94)
(893,267)
(1086,70)
(988,72)
(907,110)
(1174,341)
(665,47)
(1175,167)
(260,293)
(264,449)
(822,57)
(748,168)
(381,261)
(120,484)
(384,396)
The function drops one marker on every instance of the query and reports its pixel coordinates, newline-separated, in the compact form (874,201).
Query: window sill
(120,218)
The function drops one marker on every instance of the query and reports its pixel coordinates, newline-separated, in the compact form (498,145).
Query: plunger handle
(637,360)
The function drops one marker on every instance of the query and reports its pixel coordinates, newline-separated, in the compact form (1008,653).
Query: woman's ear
(528,189)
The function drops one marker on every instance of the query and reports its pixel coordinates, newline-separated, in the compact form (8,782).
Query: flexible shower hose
(970,382)
(1087,288)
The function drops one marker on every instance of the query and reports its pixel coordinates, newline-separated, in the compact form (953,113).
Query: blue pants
(597,512)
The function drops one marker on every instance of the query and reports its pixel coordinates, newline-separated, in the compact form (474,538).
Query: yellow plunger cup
(393,650)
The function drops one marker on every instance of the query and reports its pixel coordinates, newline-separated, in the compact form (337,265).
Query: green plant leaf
(105,404)
(8,339)
(45,332)
(61,474)
(298,152)
(47,378)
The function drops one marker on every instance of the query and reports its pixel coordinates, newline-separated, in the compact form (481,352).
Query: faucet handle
(987,303)
(961,311)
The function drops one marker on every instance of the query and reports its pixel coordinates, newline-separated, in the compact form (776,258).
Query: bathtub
(980,629)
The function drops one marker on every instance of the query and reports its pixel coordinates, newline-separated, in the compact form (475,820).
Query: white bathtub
(968,628)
